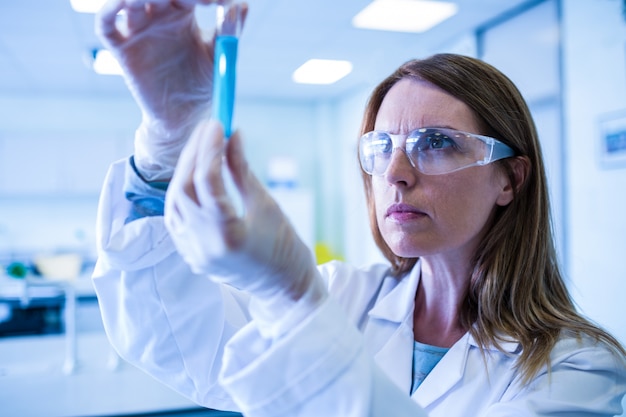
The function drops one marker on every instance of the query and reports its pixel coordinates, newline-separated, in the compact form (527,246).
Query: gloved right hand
(258,251)
(168,67)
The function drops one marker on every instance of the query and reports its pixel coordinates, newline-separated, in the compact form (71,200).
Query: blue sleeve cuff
(147,197)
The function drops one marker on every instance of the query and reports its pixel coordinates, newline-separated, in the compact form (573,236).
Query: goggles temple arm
(500,151)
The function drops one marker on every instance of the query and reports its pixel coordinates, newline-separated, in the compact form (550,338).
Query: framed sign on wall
(612,143)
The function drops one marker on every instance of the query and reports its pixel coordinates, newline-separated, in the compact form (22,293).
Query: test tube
(228,28)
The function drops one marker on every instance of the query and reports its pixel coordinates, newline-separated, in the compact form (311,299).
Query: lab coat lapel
(446,374)
(452,367)
(389,332)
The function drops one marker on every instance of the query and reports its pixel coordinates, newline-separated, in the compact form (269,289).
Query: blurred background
(62,124)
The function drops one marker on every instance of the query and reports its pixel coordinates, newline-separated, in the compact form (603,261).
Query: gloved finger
(208,176)
(238,166)
(105,22)
(162,5)
(243,14)
(205,2)
(234,19)
(182,180)
(250,187)
(187,4)
(136,3)
(137,15)
(179,209)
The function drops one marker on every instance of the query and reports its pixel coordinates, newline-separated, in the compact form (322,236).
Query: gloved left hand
(168,68)
(258,252)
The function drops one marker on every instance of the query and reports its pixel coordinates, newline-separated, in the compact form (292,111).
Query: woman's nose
(400,169)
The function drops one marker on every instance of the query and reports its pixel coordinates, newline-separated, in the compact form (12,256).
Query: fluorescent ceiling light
(87,6)
(104,63)
(404,15)
(322,71)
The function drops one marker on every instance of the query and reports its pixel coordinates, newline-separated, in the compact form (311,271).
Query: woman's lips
(403,212)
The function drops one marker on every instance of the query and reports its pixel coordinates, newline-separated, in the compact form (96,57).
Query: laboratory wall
(55,152)
(594,85)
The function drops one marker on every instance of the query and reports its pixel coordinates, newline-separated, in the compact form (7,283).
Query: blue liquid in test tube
(224,74)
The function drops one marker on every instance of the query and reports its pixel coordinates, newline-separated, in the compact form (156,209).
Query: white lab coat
(351,357)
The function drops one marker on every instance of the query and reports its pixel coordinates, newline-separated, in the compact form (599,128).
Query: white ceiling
(44,46)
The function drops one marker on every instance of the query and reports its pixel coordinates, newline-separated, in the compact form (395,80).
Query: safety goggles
(432,151)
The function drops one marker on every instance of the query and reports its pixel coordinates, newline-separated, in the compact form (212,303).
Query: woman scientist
(470,317)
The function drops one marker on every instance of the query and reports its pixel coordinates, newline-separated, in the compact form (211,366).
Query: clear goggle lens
(432,151)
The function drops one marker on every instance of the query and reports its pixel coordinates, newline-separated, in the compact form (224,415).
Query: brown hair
(516,288)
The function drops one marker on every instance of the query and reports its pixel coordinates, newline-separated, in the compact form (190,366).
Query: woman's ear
(520,169)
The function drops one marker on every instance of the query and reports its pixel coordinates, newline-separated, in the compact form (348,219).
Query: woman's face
(433,215)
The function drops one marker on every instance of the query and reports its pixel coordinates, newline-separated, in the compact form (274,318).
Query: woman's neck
(438,303)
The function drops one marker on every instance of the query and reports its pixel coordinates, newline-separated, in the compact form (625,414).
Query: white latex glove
(258,252)
(168,67)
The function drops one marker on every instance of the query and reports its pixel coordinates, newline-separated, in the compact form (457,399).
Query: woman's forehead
(411,104)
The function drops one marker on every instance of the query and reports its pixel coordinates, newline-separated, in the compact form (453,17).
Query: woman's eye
(435,141)
(438,141)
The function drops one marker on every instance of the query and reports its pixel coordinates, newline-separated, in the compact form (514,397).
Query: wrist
(157,148)
(277,315)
